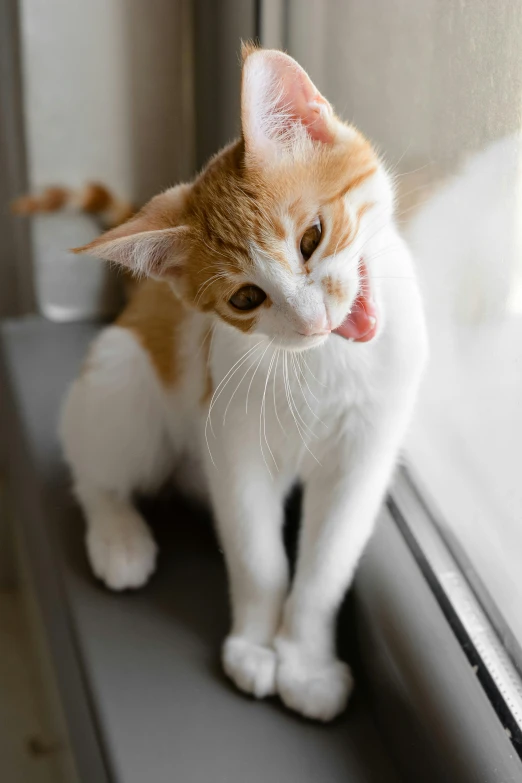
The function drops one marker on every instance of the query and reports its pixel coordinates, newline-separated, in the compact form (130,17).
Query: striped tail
(93,199)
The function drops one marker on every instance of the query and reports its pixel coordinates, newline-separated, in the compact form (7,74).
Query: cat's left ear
(280,106)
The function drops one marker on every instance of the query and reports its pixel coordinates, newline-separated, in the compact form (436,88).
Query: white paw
(251,666)
(122,552)
(319,692)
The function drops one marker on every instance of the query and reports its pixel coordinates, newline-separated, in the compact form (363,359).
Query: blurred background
(137,95)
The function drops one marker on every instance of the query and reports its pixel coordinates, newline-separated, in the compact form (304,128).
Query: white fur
(123,432)
(286,407)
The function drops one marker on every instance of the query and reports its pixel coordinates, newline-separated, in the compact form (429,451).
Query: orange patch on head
(359,164)
(357,179)
(364,208)
(275,253)
(200,236)
(243,324)
(334,287)
(279,230)
(344,230)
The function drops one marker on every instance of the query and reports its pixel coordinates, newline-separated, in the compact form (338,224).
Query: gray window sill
(139,674)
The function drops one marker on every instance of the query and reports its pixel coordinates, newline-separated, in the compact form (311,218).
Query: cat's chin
(303,343)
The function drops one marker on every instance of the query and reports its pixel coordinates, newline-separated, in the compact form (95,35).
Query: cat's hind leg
(115,440)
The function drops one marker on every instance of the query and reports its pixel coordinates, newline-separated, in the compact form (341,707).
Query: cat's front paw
(123,556)
(317,691)
(251,667)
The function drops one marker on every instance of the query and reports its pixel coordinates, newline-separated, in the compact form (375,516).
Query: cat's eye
(310,240)
(247,298)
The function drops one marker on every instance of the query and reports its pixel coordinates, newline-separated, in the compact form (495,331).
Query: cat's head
(270,237)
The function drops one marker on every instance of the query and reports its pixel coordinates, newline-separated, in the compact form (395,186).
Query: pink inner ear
(302,101)
(278,101)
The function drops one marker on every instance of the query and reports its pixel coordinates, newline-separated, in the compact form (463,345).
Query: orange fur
(248,48)
(205,231)
(94,198)
(51,199)
(208,387)
(264,258)
(334,288)
(156,316)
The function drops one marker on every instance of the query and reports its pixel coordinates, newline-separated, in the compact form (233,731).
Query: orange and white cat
(266,346)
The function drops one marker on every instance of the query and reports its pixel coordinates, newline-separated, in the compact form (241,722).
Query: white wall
(431,81)
(427,80)
(108,97)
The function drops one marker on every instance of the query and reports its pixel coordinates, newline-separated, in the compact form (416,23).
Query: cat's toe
(122,561)
(252,667)
(319,692)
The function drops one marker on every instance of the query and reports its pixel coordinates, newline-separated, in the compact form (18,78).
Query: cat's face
(271,237)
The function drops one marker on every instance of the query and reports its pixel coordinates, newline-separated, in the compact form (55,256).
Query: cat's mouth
(361,323)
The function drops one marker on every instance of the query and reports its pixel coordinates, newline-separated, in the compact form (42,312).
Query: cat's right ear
(150,244)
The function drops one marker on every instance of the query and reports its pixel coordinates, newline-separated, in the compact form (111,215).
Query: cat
(263,347)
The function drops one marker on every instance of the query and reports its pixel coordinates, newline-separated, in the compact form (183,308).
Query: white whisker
(285,377)
(298,412)
(262,418)
(217,253)
(204,340)
(235,390)
(297,370)
(255,371)
(360,247)
(311,373)
(219,390)
(207,284)
(305,379)
(396,165)
(274,392)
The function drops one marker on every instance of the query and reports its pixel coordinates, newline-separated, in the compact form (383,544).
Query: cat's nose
(317,326)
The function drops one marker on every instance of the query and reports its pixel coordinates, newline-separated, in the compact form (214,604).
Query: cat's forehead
(235,204)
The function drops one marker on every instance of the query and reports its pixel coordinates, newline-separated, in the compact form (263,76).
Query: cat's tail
(94,199)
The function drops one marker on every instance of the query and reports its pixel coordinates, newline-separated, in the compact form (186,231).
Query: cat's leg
(341,502)
(121,549)
(113,432)
(248,507)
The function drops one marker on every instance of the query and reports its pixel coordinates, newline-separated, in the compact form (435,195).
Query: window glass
(437,85)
